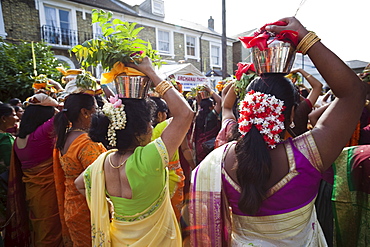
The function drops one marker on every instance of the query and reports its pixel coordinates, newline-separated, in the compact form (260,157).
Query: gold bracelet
(307,42)
(308,76)
(309,45)
(160,86)
(303,40)
(163,87)
(166,89)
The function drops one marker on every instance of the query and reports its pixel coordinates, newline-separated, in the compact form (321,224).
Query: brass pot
(204,94)
(134,87)
(277,58)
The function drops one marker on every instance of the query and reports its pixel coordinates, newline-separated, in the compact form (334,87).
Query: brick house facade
(63,24)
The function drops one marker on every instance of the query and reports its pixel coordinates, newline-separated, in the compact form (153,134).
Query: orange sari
(74,212)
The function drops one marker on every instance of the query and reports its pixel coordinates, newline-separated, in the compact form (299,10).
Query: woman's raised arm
(181,112)
(336,125)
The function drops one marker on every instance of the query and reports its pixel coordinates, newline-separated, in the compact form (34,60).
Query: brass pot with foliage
(118,46)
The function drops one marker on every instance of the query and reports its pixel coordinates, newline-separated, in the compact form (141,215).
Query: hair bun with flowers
(114,110)
(265,112)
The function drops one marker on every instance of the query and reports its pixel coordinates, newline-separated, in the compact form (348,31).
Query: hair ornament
(265,112)
(114,110)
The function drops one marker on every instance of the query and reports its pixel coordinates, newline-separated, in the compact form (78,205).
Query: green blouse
(6,145)
(145,170)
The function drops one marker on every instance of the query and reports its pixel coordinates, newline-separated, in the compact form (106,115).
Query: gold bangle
(309,36)
(163,87)
(307,42)
(309,45)
(308,76)
(166,89)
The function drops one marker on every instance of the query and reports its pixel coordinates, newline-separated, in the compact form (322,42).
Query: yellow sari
(158,229)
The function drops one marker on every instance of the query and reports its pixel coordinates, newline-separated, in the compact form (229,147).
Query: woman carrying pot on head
(73,153)
(272,185)
(206,124)
(134,176)
(31,179)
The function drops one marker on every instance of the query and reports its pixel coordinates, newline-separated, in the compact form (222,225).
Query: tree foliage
(16,68)
(119,43)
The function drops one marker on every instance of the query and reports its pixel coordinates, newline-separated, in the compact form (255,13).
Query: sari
(73,209)
(350,197)
(156,225)
(176,173)
(203,137)
(284,218)
(31,190)
(6,145)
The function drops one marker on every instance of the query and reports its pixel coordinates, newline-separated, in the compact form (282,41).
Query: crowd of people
(268,168)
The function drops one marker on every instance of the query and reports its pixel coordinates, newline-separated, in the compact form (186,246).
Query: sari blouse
(6,145)
(145,168)
(39,146)
(304,173)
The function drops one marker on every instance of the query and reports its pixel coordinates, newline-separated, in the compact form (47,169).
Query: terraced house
(63,24)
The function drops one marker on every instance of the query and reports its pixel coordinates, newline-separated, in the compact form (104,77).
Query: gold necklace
(116,167)
(83,130)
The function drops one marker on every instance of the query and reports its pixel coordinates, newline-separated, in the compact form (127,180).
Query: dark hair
(33,117)
(70,113)
(159,106)
(138,115)
(252,153)
(6,110)
(204,109)
(16,108)
(14,101)
(99,101)
(98,129)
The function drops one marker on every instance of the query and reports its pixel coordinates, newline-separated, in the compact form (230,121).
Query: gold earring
(292,125)
(86,116)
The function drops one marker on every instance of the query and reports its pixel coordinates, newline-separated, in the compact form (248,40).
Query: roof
(216,72)
(244,34)
(356,64)
(191,25)
(112,5)
(184,69)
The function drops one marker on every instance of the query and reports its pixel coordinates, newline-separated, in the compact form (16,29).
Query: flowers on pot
(118,45)
(244,75)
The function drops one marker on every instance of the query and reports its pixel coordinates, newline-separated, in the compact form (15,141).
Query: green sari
(350,197)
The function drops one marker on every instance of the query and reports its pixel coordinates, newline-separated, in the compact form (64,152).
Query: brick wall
(148,34)
(21,20)
(85,30)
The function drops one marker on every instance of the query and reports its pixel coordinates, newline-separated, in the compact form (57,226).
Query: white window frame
(158,7)
(72,18)
(219,55)
(196,47)
(2,26)
(171,43)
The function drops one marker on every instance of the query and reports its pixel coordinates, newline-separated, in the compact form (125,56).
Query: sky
(343,26)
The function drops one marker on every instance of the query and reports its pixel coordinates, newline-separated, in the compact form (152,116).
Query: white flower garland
(114,110)
(265,112)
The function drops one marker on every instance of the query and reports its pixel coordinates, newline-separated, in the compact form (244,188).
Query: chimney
(211,23)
